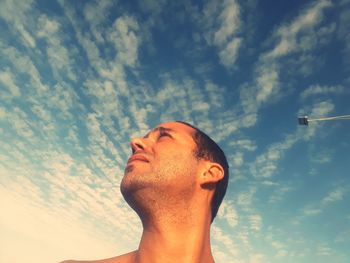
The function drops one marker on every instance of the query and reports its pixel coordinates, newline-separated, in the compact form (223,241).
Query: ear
(211,174)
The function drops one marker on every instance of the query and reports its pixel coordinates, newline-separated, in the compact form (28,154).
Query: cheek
(179,165)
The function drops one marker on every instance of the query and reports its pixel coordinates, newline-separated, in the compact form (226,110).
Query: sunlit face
(162,162)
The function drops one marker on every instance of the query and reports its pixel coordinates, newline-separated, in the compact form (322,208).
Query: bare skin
(176,227)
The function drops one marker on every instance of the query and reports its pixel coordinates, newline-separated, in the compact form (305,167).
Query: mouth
(137,157)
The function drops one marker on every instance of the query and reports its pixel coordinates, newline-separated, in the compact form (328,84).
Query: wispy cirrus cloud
(23,64)
(334,195)
(58,55)
(316,90)
(279,192)
(245,144)
(224,23)
(288,38)
(125,38)
(226,240)
(255,222)
(15,13)
(7,79)
(228,213)
(96,13)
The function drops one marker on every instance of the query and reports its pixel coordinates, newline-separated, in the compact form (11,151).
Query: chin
(136,195)
(132,183)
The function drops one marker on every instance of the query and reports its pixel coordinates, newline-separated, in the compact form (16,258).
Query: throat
(175,243)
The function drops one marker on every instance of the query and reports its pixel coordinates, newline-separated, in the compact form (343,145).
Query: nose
(137,144)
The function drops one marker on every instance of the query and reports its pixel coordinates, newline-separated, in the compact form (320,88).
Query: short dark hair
(207,149)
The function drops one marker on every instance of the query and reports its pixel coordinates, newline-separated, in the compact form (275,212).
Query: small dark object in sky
(303,120)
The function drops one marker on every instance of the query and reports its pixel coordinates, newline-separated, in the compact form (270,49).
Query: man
(175,181)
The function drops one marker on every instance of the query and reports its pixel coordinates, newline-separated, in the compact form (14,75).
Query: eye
(163,134)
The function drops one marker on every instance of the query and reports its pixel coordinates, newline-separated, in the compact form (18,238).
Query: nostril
(136,144)
(139,145)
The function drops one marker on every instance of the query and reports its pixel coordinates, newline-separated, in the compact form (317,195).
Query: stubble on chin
(131,181)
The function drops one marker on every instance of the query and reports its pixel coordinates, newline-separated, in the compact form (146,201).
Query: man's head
(169,163)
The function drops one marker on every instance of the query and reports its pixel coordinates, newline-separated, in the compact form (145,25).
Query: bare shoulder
(125,258)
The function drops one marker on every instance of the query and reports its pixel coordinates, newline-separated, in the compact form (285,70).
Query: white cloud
(245,199)
(229,53)
(58,55)
(244,144)
(200,106)
(96,13)
(216,94)
(268,83)
(324,250)
(343,235)
(334,196)
(21,125)
(8,80)
(289,37)
(124,35)
(265,164)
(105,97)
(322,108)
(228,213)
(311,211)
(221,256)
(47,27)
(321,157)
(100,144)
(255,222)
(229,22)
(219,236)
(289,34)
(281,252)
(23,64)
(170,91)
(279,192)
(321,90)
(237,159)
(223,21)
(85,39)
(14,12)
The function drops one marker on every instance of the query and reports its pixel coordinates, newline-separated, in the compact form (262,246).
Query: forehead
(178,128)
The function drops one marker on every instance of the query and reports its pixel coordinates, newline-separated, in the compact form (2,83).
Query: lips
(137,157)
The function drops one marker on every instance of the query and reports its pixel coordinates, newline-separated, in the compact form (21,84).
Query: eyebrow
(160,129)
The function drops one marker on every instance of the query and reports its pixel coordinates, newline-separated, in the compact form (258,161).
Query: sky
(79,79)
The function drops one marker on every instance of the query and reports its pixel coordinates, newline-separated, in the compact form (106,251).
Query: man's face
(163,161)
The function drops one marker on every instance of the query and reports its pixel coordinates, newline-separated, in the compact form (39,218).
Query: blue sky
(78,79)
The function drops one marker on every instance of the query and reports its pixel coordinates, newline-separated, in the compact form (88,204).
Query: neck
(166,239)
